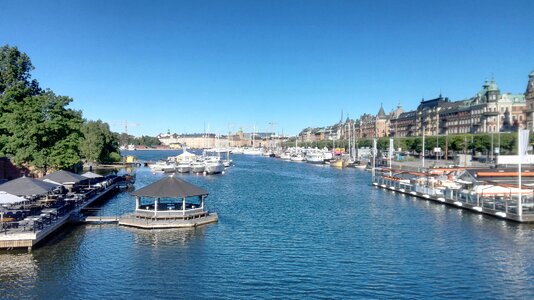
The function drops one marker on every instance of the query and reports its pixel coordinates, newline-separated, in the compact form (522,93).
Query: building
(529,99)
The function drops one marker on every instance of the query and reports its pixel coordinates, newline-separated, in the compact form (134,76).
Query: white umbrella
(8,199)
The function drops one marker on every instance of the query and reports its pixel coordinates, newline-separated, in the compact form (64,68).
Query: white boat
(169,168)
(183,167)
(213,166)
(285,155)
(198,167)
(315,157)
(252,151)
(158,166)
(297,157)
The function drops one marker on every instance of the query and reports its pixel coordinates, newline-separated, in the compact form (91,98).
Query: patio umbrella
(8,199)
(26,186)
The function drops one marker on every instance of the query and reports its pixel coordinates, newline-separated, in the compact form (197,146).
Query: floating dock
(509,212)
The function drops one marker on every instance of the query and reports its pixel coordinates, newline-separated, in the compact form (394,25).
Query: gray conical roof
(381,113)
(26,186)
(170,187)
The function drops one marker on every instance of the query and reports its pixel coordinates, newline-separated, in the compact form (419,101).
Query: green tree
(98,143)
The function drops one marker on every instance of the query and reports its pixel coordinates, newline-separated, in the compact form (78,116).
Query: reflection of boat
(360,166)
(213,166)
(183,167)
(197,167)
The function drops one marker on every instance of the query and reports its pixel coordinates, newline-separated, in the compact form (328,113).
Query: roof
(26,186)
(381,113)
(62,177)
(7,198)
(170,187)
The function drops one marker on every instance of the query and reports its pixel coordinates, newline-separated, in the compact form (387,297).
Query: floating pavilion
(169,203)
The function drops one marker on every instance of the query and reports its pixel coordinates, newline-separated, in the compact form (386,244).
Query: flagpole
(520,152)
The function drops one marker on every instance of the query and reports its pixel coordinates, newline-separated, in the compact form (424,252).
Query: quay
(34,229)
(466,189)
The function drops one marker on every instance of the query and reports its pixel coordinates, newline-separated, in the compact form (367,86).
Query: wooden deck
(158,223)
(20,238)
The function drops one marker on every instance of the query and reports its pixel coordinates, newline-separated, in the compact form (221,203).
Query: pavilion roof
(170,187)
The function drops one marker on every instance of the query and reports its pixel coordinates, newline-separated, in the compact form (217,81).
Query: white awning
(6,198)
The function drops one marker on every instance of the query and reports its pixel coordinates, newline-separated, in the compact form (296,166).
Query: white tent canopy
(6,198)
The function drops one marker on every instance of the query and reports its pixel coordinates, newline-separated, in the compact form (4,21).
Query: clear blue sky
(181,64)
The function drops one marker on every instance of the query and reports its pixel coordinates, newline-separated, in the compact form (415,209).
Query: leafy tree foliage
(98,143)
(37,129)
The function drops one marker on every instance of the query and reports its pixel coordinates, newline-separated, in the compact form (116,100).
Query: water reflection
(165,237)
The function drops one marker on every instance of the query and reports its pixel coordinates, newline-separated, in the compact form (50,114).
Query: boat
(183,167)
(338,163)
(213,166)
(297,157)
(197,167)
(158,166)
(285,156)
(315,157)
(252,151)
(169,168)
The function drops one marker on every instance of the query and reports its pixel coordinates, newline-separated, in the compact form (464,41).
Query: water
(286,230)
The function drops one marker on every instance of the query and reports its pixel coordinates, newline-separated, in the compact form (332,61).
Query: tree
(98,143)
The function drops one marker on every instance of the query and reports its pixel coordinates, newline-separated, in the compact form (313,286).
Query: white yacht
(213,166)
(315,157)
(297,157)
(183,167)
(252,151)
(197,167)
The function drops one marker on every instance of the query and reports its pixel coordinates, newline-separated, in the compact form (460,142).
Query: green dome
(493,86)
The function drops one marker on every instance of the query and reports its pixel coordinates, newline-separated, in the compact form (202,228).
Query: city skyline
(241,64)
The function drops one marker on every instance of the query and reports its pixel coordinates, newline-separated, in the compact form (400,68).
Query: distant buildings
(487,111)
(211,140)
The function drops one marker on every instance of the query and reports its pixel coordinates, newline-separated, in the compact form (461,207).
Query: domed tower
(493,92)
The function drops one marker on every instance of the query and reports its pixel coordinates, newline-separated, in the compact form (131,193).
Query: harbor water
(285,230)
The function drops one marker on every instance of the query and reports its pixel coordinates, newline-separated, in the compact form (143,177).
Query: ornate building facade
(487,111)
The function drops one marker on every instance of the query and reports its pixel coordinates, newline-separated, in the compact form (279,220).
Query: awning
(7,198)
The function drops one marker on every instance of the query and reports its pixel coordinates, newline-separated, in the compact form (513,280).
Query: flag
(523,146)
(391,149)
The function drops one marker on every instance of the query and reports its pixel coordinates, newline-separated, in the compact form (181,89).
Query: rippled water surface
(286,230)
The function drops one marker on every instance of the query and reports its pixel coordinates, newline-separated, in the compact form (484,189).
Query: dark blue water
(286,230)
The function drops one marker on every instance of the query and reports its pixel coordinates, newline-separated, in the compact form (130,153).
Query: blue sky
(182,65)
